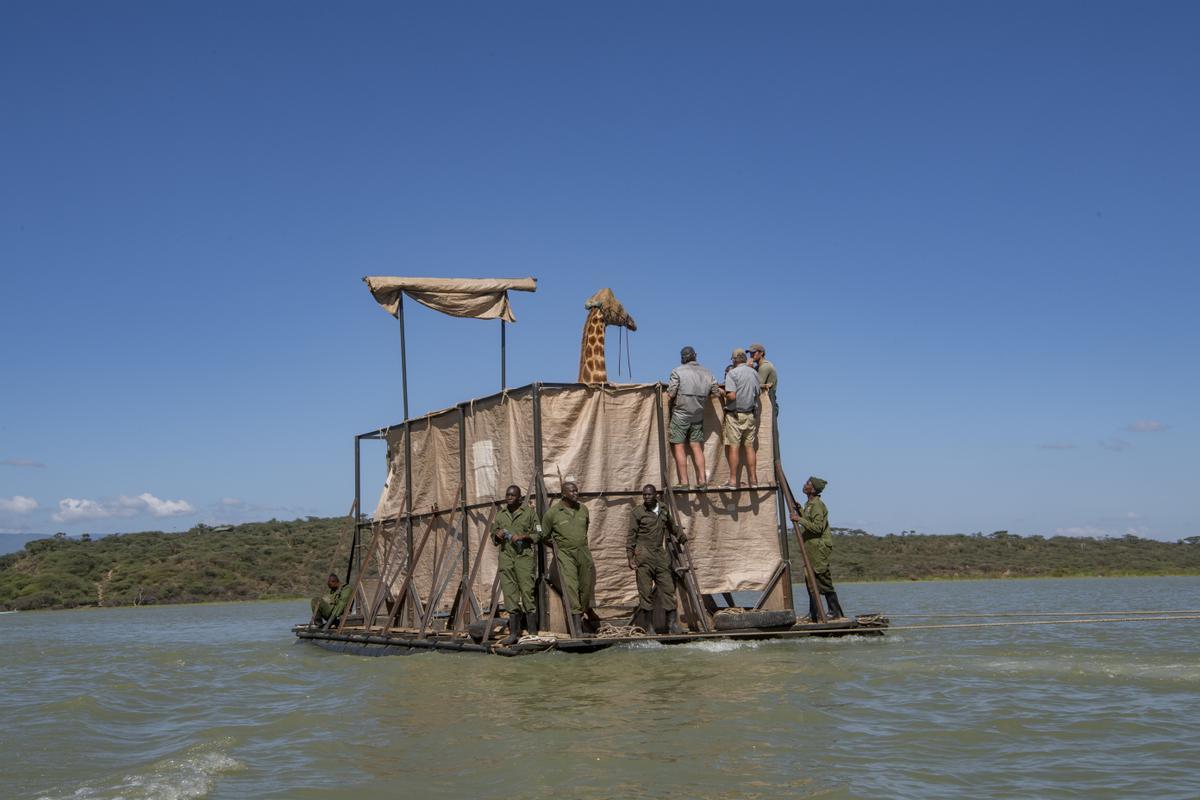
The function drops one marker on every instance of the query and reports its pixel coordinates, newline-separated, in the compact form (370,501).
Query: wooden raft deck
(400,642)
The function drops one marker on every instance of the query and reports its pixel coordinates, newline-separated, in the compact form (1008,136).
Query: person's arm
(343,600)
(673,385)
(814,519)
(631,539)
(730,388)
(498,531)
(528,527)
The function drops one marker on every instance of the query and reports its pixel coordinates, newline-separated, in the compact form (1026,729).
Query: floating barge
(423,568)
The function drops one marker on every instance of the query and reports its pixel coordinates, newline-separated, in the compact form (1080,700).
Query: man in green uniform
(648,525)
(515,533)
(327,611)
(566,524)
(818,543)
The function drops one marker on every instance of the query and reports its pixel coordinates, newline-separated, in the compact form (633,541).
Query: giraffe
(603,310)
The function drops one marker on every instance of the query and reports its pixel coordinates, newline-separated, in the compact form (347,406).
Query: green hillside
(289,559)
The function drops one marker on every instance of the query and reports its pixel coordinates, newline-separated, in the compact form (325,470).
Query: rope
(610,631)
(1042,614)
(1079,621)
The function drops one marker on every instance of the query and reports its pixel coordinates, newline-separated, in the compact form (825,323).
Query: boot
(673,623)
(814,615)
(514,629)
(641,619)
(578,620)
(531,623)
(835,608)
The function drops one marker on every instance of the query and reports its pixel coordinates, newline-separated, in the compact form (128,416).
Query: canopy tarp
(480,298)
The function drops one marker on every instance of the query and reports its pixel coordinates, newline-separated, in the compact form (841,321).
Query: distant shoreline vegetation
(276,560)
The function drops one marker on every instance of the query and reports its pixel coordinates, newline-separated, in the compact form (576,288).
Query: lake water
(219,701)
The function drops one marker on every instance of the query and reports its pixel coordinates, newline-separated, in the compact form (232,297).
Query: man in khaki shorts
(741,401)
(690,387)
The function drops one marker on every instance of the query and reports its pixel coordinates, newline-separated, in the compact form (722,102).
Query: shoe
(681,487)
(514,629)
(727,487)
(673,623)
(835,608)
(578,620)
(531,623)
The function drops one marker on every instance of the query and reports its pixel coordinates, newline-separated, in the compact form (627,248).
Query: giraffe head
(611,311)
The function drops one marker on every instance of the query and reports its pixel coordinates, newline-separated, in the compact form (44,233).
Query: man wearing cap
(741,401)
(767,376)
(649,524)
(514,532)
(328,610)
(818,543)
(689,389)
(566,525)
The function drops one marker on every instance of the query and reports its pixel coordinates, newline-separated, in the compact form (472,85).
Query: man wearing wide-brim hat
(818,543)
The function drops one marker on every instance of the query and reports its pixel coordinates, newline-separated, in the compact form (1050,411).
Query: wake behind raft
(423,569)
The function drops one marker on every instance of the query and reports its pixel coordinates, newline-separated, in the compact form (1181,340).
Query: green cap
(818,484)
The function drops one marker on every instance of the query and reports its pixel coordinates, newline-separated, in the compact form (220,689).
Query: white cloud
(164,508)
(232,502)
(1082,530)
(71,509)
(23,462)
(1116,445)
(18,504)
(1146,426)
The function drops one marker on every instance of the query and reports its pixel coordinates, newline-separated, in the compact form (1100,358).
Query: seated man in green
(566,525)
(649,524)
(514,533)
(327,611)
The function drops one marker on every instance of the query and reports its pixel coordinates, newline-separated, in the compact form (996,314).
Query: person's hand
(632,565)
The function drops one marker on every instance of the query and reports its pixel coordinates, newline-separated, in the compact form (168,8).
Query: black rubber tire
(475,629)
(732,620)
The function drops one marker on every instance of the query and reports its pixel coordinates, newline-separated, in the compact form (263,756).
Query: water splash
(192,774)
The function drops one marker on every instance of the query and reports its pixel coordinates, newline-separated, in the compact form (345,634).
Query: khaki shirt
(768,377)
(814,521)
(521,523)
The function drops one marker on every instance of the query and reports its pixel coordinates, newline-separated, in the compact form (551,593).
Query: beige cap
(739,353)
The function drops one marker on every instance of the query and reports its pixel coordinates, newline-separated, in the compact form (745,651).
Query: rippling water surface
(219,701)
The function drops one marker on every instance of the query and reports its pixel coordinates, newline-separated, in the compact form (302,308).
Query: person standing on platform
(818,543)
(739,433)
(566,524)
(515,533)
(649,525)
(327,611)
(768,378)
(689,389)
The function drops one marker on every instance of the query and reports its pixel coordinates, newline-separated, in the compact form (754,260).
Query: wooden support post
(407,596)
(681,558)
(810,580)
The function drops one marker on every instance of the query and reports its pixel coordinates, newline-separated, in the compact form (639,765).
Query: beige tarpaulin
(480,298)
(607,438)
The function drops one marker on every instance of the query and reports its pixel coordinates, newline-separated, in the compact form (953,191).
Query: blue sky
(966,232)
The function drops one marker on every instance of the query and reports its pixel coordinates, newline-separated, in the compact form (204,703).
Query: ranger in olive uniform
(818,543)
(566,524)
(648,525)
(328,610)
(515,533)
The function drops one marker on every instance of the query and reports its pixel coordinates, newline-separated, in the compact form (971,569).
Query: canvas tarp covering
(479,298)
(608,439)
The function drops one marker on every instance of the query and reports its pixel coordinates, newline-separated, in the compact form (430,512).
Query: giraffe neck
(592,368)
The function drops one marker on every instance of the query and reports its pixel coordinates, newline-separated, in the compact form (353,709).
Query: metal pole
(408,494)
(403,355)
(503,359)
(540,503)
(354,550)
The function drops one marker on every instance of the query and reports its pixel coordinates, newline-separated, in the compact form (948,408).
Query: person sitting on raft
(327,611)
